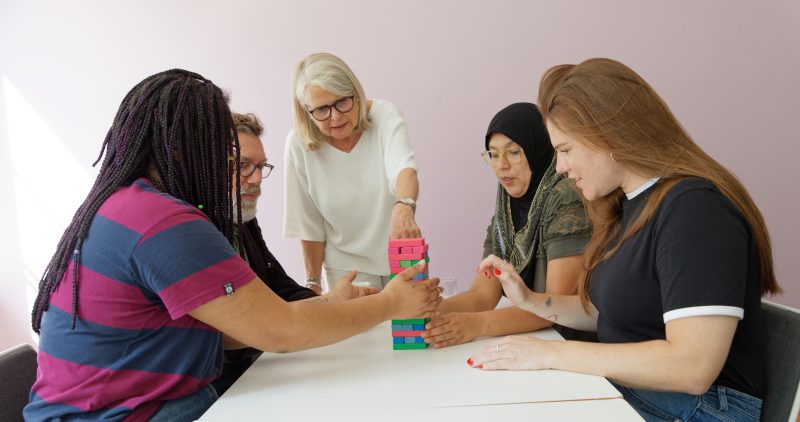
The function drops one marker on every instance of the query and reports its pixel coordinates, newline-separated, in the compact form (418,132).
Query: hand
(315,287)
(345,290)
(411,298)
(451,329)
(403,225)
(515,289)
(517,353)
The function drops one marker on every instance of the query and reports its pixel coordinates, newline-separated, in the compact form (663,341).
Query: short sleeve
(397,153)
(565,226)
(301,217)
(187,262)
(701,256)
(487,242)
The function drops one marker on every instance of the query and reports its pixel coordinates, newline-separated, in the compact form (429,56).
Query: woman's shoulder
(383,110)
(563,192)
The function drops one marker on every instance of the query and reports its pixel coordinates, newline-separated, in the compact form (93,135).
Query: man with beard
(254,167)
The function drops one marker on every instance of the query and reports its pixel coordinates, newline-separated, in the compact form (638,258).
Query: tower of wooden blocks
(403,253)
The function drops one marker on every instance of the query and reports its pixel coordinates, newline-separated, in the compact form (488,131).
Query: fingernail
(497,271)
(480,366)
(469,361)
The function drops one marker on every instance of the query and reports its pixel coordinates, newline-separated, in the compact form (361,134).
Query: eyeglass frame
(502,154)
(332,106)
(259,167)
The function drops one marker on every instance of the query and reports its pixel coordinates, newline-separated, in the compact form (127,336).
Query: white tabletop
(364,376)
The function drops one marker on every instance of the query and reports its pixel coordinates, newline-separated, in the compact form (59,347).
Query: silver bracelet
(314,281)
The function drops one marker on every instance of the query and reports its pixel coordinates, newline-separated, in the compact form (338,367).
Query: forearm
(506,321)
(483,295)
(313,256)
(407,184)
(653,365)
(565,310)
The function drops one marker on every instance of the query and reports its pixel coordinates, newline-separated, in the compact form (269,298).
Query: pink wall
(728,70)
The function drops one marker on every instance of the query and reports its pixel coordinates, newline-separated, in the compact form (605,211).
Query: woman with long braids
(677,264)
(146,278)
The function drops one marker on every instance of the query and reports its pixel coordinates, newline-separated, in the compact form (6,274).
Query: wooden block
(406,333)
(399,243)
(409,256)
(394,251)
(418,249)
(412,346)
(411,321)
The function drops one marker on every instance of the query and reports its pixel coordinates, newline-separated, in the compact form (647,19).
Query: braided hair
(176,127)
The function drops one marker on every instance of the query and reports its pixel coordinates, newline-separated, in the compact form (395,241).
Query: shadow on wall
(46,186)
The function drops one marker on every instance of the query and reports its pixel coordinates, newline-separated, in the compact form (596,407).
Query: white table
(362,378)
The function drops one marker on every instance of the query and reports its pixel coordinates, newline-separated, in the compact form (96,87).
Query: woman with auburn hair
(676,267)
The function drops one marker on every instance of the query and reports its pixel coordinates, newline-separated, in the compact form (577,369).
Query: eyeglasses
(342,105)
(492,158)
(246,169)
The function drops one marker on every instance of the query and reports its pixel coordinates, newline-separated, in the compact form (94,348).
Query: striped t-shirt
(148,260)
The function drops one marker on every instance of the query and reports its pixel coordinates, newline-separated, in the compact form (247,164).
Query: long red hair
(608,105)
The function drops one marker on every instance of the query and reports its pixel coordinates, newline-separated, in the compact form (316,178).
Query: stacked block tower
(403,253)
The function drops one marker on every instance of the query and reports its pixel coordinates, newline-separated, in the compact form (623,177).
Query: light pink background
(729,70)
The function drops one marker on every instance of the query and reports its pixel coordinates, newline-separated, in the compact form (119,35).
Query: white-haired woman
(351,178)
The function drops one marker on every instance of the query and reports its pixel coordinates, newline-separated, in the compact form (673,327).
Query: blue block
(409,340)
(408,327)
(398,327)
(398,340)
(418,327)
(418,340)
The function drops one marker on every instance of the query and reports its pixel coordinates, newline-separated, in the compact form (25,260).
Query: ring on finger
(497,347)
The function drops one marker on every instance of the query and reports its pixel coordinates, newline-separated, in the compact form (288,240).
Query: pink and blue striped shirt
(148,260)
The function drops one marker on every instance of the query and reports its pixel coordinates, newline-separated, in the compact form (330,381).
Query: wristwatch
(408,201)
(313,280)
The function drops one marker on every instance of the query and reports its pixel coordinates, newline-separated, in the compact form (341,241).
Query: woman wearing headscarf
(539,225)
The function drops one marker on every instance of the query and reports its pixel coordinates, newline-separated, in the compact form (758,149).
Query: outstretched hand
(345,290)
(411,298)
(451,329)
(403,224)
(517,353)
(515,289)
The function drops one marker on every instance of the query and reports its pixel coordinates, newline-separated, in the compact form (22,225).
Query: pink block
(399,243)
(407,333)
(407,249)
(418,249)
(394,263)
(396,270)
(394,251)
(408,256)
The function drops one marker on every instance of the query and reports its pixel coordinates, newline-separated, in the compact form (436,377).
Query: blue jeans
(717,404)
(188,408)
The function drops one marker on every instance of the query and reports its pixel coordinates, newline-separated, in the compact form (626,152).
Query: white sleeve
(397,153)
(301,218)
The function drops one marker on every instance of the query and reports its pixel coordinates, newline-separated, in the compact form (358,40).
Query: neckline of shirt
(649,182)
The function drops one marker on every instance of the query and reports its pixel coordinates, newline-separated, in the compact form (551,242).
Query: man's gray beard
(248,211)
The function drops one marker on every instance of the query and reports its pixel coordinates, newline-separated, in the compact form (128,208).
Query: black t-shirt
(695,257)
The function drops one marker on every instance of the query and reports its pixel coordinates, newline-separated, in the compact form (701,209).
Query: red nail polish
(480,366)
(469,361)
(497,271)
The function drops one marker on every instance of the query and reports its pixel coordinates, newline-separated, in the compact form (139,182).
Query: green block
(411,321)
(409,346)
(406,263)
(391,276)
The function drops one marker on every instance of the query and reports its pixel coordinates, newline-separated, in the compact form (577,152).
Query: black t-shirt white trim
(704,311)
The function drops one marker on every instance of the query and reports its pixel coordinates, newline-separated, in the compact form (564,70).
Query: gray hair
(326,71)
